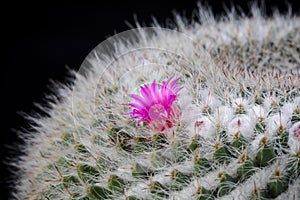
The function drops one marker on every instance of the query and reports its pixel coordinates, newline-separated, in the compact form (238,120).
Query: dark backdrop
(40,40)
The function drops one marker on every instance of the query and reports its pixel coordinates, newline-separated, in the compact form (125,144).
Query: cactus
(210,111)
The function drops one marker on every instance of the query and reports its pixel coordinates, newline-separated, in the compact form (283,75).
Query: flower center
(297,133)
(158,112)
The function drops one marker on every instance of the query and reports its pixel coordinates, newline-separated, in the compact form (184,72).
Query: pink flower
(297,133)
(157,107)
(294,138)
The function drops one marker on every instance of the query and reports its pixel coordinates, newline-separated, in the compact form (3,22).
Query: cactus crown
(232,132)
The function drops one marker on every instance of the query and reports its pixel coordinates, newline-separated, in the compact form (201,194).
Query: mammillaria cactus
(209,111)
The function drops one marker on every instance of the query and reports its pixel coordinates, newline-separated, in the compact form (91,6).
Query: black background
(39,40)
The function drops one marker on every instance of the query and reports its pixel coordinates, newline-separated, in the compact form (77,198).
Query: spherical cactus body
(208,111)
